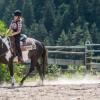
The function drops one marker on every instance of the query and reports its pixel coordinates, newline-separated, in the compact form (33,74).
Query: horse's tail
(44,60)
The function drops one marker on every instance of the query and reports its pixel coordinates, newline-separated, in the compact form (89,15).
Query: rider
(16,28)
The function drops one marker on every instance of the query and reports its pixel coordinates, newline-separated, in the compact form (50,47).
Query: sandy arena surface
(61,89)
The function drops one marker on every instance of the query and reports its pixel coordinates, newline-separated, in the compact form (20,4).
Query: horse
(40,52)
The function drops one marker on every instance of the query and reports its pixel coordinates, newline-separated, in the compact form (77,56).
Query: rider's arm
(15,33)
(19,28)
(9,30)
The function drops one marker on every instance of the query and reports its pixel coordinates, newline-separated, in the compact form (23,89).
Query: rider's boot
(20,60)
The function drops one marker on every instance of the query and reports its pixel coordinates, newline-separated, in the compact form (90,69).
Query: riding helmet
(17,13)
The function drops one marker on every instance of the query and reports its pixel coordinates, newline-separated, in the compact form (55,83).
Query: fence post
(87,55)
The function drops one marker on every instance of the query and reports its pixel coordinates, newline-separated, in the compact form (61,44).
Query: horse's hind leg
(40,70)
(28,73)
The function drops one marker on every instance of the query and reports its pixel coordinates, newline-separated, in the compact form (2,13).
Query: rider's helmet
(17,13)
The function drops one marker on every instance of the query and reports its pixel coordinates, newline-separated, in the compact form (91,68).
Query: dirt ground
(56,91)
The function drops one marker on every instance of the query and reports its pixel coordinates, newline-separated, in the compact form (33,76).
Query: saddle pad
(27,47)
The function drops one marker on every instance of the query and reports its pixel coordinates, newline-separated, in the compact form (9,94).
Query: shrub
(19,70)
(4,75)
(54,70)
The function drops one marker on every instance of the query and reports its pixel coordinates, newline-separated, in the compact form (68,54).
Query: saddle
(28,44)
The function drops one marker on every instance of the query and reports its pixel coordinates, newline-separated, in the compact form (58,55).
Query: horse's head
(4,43)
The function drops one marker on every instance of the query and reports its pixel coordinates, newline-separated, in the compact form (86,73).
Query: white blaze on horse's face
(8,55)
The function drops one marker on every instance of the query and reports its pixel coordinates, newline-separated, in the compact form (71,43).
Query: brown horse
(6,56)
(36,55)
(40,52)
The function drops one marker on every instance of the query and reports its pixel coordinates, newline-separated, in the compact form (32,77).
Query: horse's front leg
(10,65)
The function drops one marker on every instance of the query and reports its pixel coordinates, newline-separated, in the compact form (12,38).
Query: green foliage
(49,16)
(49,40)
(44,17)
(19,71)
(63,39)
(3,28)
(54,70)
(75,71)
(4,75)
(28,12)
(38,31)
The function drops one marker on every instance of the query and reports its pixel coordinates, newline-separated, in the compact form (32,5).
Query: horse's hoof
(12,85)
(20,84)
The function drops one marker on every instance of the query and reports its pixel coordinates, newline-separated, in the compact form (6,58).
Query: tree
(63,39)
(19,4)
(28,12)
(86,34)
(74,8)
(97,13)
(95,33)
(39,6)
(49,15)
(49,40)
(3,29)
(2,5)
(58,26)
(9,11)
(66,18)
(38,31)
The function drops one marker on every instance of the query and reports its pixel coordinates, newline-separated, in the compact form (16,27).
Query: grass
(54,72)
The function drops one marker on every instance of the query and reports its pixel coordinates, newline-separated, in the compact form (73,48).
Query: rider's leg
(13,49)
(18,49)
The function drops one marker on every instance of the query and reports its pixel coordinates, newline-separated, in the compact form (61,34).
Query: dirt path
(54,91)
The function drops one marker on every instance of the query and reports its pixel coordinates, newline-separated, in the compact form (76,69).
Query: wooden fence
(89,52)
(92,56)
(64,50)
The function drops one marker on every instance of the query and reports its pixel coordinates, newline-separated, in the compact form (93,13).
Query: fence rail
(65,47)
(59,50)
(86,51)
(65,52)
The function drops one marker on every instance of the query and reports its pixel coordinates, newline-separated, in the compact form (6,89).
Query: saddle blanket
(27,47)
(29,44)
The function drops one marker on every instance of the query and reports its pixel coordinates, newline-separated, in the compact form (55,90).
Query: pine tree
(66,19)
(19,4)
(86,34)
(49,15)
(63,39)
(9,11)
(2,7)
(95,33)
(39,6)
(38,31)
(28,12)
